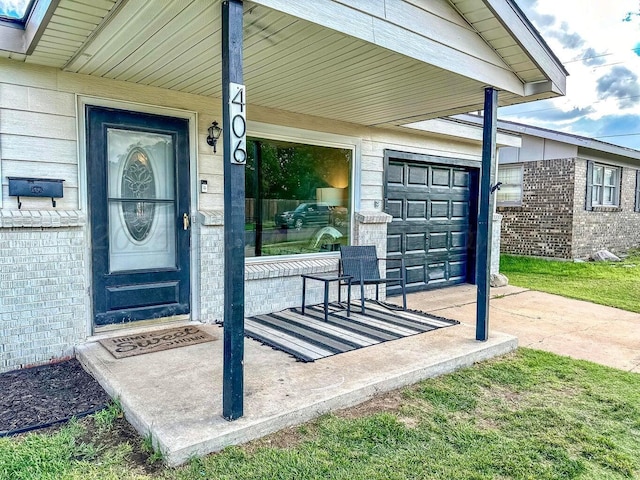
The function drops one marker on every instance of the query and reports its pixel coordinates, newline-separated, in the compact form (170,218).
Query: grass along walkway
(529,415)
(615,284)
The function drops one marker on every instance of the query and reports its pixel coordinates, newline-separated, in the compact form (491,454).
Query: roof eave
(520,28)
(571,139)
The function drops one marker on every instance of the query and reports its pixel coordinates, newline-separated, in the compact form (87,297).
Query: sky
(598,42)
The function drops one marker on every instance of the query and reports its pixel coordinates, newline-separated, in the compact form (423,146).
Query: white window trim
(616,185)
(511,203)
(321,139)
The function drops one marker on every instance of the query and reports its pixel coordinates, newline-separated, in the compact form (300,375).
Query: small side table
(327,279)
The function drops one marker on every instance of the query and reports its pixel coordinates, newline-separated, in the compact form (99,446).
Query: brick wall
(542,225)
(42,294)
(616,229)
(496,226)
(211,238)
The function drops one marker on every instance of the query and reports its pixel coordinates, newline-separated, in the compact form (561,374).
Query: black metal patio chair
(362,264)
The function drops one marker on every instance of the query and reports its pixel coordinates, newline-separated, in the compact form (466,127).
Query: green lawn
(616,284)
(529,415)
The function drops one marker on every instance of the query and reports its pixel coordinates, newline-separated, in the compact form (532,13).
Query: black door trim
(423,158)
(117,297)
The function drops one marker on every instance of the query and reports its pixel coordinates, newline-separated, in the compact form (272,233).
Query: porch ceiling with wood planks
(295,64)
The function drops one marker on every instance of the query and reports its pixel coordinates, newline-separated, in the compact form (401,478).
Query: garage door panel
(438,241)
(395,174)
(416,275)
(439,210)
(394,244)
(406,227)
(436,272)
(393,273)
(417,176)
(461,179)
(460,209)
(416,243)
(458,240)
(440,176)
(394,208)
(458,271)
(416,209)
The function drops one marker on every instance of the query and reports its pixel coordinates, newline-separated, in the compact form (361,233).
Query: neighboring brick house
(566,196)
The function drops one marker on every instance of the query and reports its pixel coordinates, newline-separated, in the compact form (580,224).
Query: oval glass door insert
(138,182)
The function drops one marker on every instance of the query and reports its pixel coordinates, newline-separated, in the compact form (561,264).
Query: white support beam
(451,128)
(442,43)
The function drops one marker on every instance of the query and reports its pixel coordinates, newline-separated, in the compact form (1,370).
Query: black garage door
(434,210)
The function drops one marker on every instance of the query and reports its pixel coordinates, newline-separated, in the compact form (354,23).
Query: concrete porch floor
(176,395)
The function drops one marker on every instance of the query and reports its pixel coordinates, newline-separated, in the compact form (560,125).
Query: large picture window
(297,197)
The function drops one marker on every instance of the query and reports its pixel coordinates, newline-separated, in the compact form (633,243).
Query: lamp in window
(331,196)
(214,134)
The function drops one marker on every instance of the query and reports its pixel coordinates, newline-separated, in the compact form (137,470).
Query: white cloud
(596,46)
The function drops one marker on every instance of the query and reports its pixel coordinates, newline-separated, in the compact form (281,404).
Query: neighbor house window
(603,185)
(637,209)
(297,197)
(510,192)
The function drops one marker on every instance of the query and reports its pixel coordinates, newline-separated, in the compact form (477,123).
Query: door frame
(474,167)
(83,199)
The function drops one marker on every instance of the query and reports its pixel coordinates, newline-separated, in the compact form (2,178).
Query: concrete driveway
(574,328)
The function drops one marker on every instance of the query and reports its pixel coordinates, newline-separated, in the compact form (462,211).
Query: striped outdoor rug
(308,337)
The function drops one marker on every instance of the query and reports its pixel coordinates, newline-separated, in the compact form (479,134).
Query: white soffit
(372,62)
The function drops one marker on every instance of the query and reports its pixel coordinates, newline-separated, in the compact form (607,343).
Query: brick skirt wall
(542,225)
(42,294)
(44,289)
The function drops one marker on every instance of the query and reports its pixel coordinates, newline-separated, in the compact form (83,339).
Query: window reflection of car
(339,216)
(304,214)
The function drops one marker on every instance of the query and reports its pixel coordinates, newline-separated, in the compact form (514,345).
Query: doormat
(149,342)
(308,337)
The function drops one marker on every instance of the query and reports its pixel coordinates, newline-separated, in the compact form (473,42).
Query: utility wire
(558,108)
(636,50)
(621,135)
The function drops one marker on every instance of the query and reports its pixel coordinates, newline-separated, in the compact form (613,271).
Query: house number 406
(238,116)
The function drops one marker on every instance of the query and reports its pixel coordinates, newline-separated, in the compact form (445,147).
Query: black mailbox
(35,187)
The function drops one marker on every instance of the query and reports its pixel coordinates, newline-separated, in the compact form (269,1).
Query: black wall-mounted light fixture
(214,134)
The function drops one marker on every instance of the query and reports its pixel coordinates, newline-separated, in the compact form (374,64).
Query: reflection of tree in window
(282,175)
(294,171)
